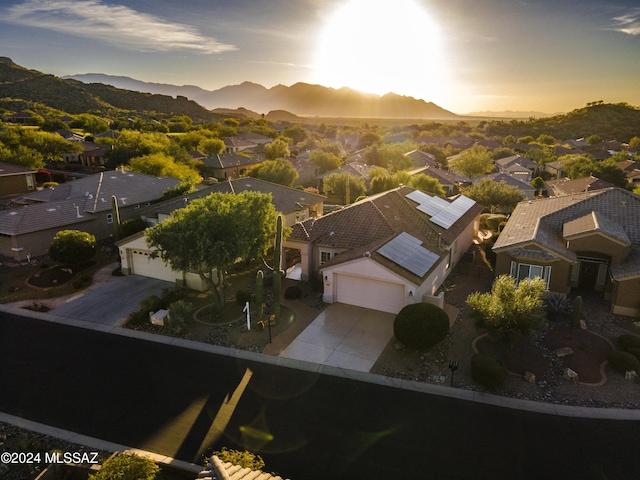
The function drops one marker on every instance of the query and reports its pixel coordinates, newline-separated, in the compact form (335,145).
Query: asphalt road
(306,426)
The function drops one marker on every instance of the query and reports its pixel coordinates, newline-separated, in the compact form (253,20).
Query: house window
(324,257)
(525,270)
(109,218)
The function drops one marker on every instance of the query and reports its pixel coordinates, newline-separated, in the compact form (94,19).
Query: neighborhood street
(305,425)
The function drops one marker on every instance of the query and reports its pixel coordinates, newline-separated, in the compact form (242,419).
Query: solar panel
(447,217)
(406,250)
(418,196)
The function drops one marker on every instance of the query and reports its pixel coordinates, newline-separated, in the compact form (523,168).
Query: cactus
(260,293)
(576,314)
(116,216)
(277,273)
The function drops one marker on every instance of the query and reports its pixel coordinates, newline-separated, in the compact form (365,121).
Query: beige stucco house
(388,250)
(587,242)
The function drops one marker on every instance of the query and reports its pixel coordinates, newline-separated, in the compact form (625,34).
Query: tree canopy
(211,234)
(427,184)
(336,184)
(72,246)
(497,196)
(473,162)
(162,165)
(276,171)
(276,149)
(324,160)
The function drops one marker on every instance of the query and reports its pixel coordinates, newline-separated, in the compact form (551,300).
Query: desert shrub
(557,303)
(421,325)
(178,315)
(123,466)
(243,296)
(488,371)
(623,361)
(245,459)
(292,293)
(635,351)
(154,303)
(628,341)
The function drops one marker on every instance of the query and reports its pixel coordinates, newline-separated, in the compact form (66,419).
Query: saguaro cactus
(277,273)
(116,216)
(576,314)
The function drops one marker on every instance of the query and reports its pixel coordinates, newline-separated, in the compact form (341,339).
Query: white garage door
(146,266)
(369,293)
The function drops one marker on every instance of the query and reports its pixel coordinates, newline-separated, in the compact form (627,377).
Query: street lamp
(453,366)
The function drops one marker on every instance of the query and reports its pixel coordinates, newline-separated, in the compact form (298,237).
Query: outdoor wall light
(411,293)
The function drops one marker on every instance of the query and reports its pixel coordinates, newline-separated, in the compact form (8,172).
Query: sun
(381,46)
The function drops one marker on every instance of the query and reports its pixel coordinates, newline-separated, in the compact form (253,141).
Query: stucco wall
(599,244)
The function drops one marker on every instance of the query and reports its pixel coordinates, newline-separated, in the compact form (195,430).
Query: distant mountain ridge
(301,99)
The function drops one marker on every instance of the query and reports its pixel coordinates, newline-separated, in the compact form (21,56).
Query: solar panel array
(442,213)
(406,250)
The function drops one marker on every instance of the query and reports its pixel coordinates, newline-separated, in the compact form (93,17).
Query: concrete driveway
(343,336)
(111,302)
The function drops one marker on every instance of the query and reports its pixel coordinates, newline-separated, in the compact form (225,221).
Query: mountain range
(301,99)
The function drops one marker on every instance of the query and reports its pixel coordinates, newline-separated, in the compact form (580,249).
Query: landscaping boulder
(530,377)
(570,375)
(563,352)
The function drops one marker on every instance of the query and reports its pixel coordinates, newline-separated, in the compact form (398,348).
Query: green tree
(369,138)
(162,165)
(50,145)
(546,139)
(325,161)
(344,183)
(473,162)
(124,466)
(593,139)
(211,146)
(276,171)
(427,184)
(23,156)
(538,184)
(210,234)
(510,310)
(497,196)
(276,149)
(131,144)
(634,142)
(72,246)
(90,123)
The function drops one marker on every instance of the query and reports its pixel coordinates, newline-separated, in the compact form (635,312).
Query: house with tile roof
(445,178)
(566,186)
(527,190)
(388,250)
(421,159)
(587,242)
(84,204)
(224,166)
(15,179)
(518,166)
(296,206)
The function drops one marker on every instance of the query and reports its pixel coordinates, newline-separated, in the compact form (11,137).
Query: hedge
(623,361)
(421,325)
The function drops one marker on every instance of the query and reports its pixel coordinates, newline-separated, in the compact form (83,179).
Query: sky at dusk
(464,55)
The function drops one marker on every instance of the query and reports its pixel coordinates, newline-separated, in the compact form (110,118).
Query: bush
(123,466)
(488,371)
(628,341)
(623,361)
(421,325)
(179,315)
(243,296)
(635,351)
(292,293)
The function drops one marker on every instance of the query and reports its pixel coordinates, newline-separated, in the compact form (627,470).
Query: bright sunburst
(381,46)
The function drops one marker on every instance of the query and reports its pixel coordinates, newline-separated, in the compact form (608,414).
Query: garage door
(146,266)
(369,293)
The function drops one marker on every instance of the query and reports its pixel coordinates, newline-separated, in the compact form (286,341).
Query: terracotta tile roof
(365,226)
